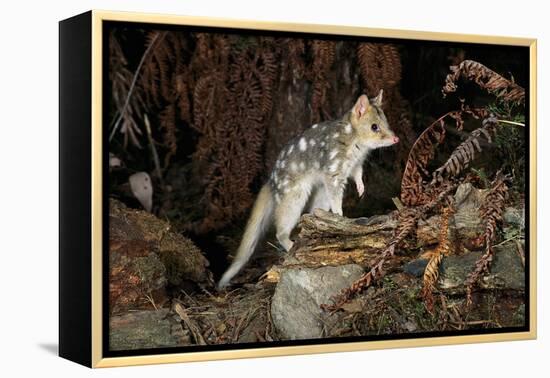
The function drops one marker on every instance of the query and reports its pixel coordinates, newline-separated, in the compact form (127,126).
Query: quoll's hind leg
(335,191)
(287,215)
(320,200)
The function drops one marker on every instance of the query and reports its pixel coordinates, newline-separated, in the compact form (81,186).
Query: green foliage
(510,141)
(482,176)
(508,111)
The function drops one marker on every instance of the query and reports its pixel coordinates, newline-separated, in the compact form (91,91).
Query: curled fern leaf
(466,151)
(485,78)
(323,52)
(431,273)
(421,153)
(491,212)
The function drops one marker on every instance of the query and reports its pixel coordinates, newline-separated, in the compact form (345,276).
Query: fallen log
(327,239)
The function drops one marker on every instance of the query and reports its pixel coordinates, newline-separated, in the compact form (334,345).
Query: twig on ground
(191,325)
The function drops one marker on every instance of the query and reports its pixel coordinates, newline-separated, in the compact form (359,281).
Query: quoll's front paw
(360,188)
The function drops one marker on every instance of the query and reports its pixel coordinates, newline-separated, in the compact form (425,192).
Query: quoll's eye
(374,127)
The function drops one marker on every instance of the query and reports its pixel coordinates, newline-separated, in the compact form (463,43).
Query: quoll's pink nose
(395,140)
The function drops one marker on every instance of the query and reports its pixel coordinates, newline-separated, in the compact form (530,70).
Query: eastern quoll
(312,171)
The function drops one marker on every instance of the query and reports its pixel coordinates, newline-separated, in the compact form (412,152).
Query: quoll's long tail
(258,222)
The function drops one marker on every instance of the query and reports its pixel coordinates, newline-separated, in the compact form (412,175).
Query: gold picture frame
(90,267)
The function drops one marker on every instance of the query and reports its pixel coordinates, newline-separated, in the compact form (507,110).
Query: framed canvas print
(234,189)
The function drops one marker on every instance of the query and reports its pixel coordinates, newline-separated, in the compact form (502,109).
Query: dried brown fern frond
(414,185)
(210,67)
(491,212)
(431,273)
(128,106)
(251,88)
(406,222)
(380,66)
(465,153)
(421,153)
(485,78)
(293,66)
(166,82)
(232,104)
(160,86)
(167,122)
(323,57)
(131,128)
(266,72)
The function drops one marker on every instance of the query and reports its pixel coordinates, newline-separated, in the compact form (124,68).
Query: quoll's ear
(377,101)
(361,106)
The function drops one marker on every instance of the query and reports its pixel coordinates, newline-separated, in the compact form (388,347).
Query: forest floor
(166,309)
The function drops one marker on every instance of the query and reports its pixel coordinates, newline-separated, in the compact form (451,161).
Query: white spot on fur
(314,126)
(335,182)
(334,166)
(333,153)
(311,142)
(285,183)
(278,164)
(304,185)
(347,129)
(335,135)
(302,165)
(293,167)
(290,149)
(323,144)
(283,164)
(303,144)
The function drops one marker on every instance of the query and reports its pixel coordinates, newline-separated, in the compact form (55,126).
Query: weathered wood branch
(328,239)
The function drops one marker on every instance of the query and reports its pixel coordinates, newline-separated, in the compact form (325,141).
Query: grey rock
(416,267)
(515,217)
(468,201)
(410,326)
(506,272)
(295,306)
